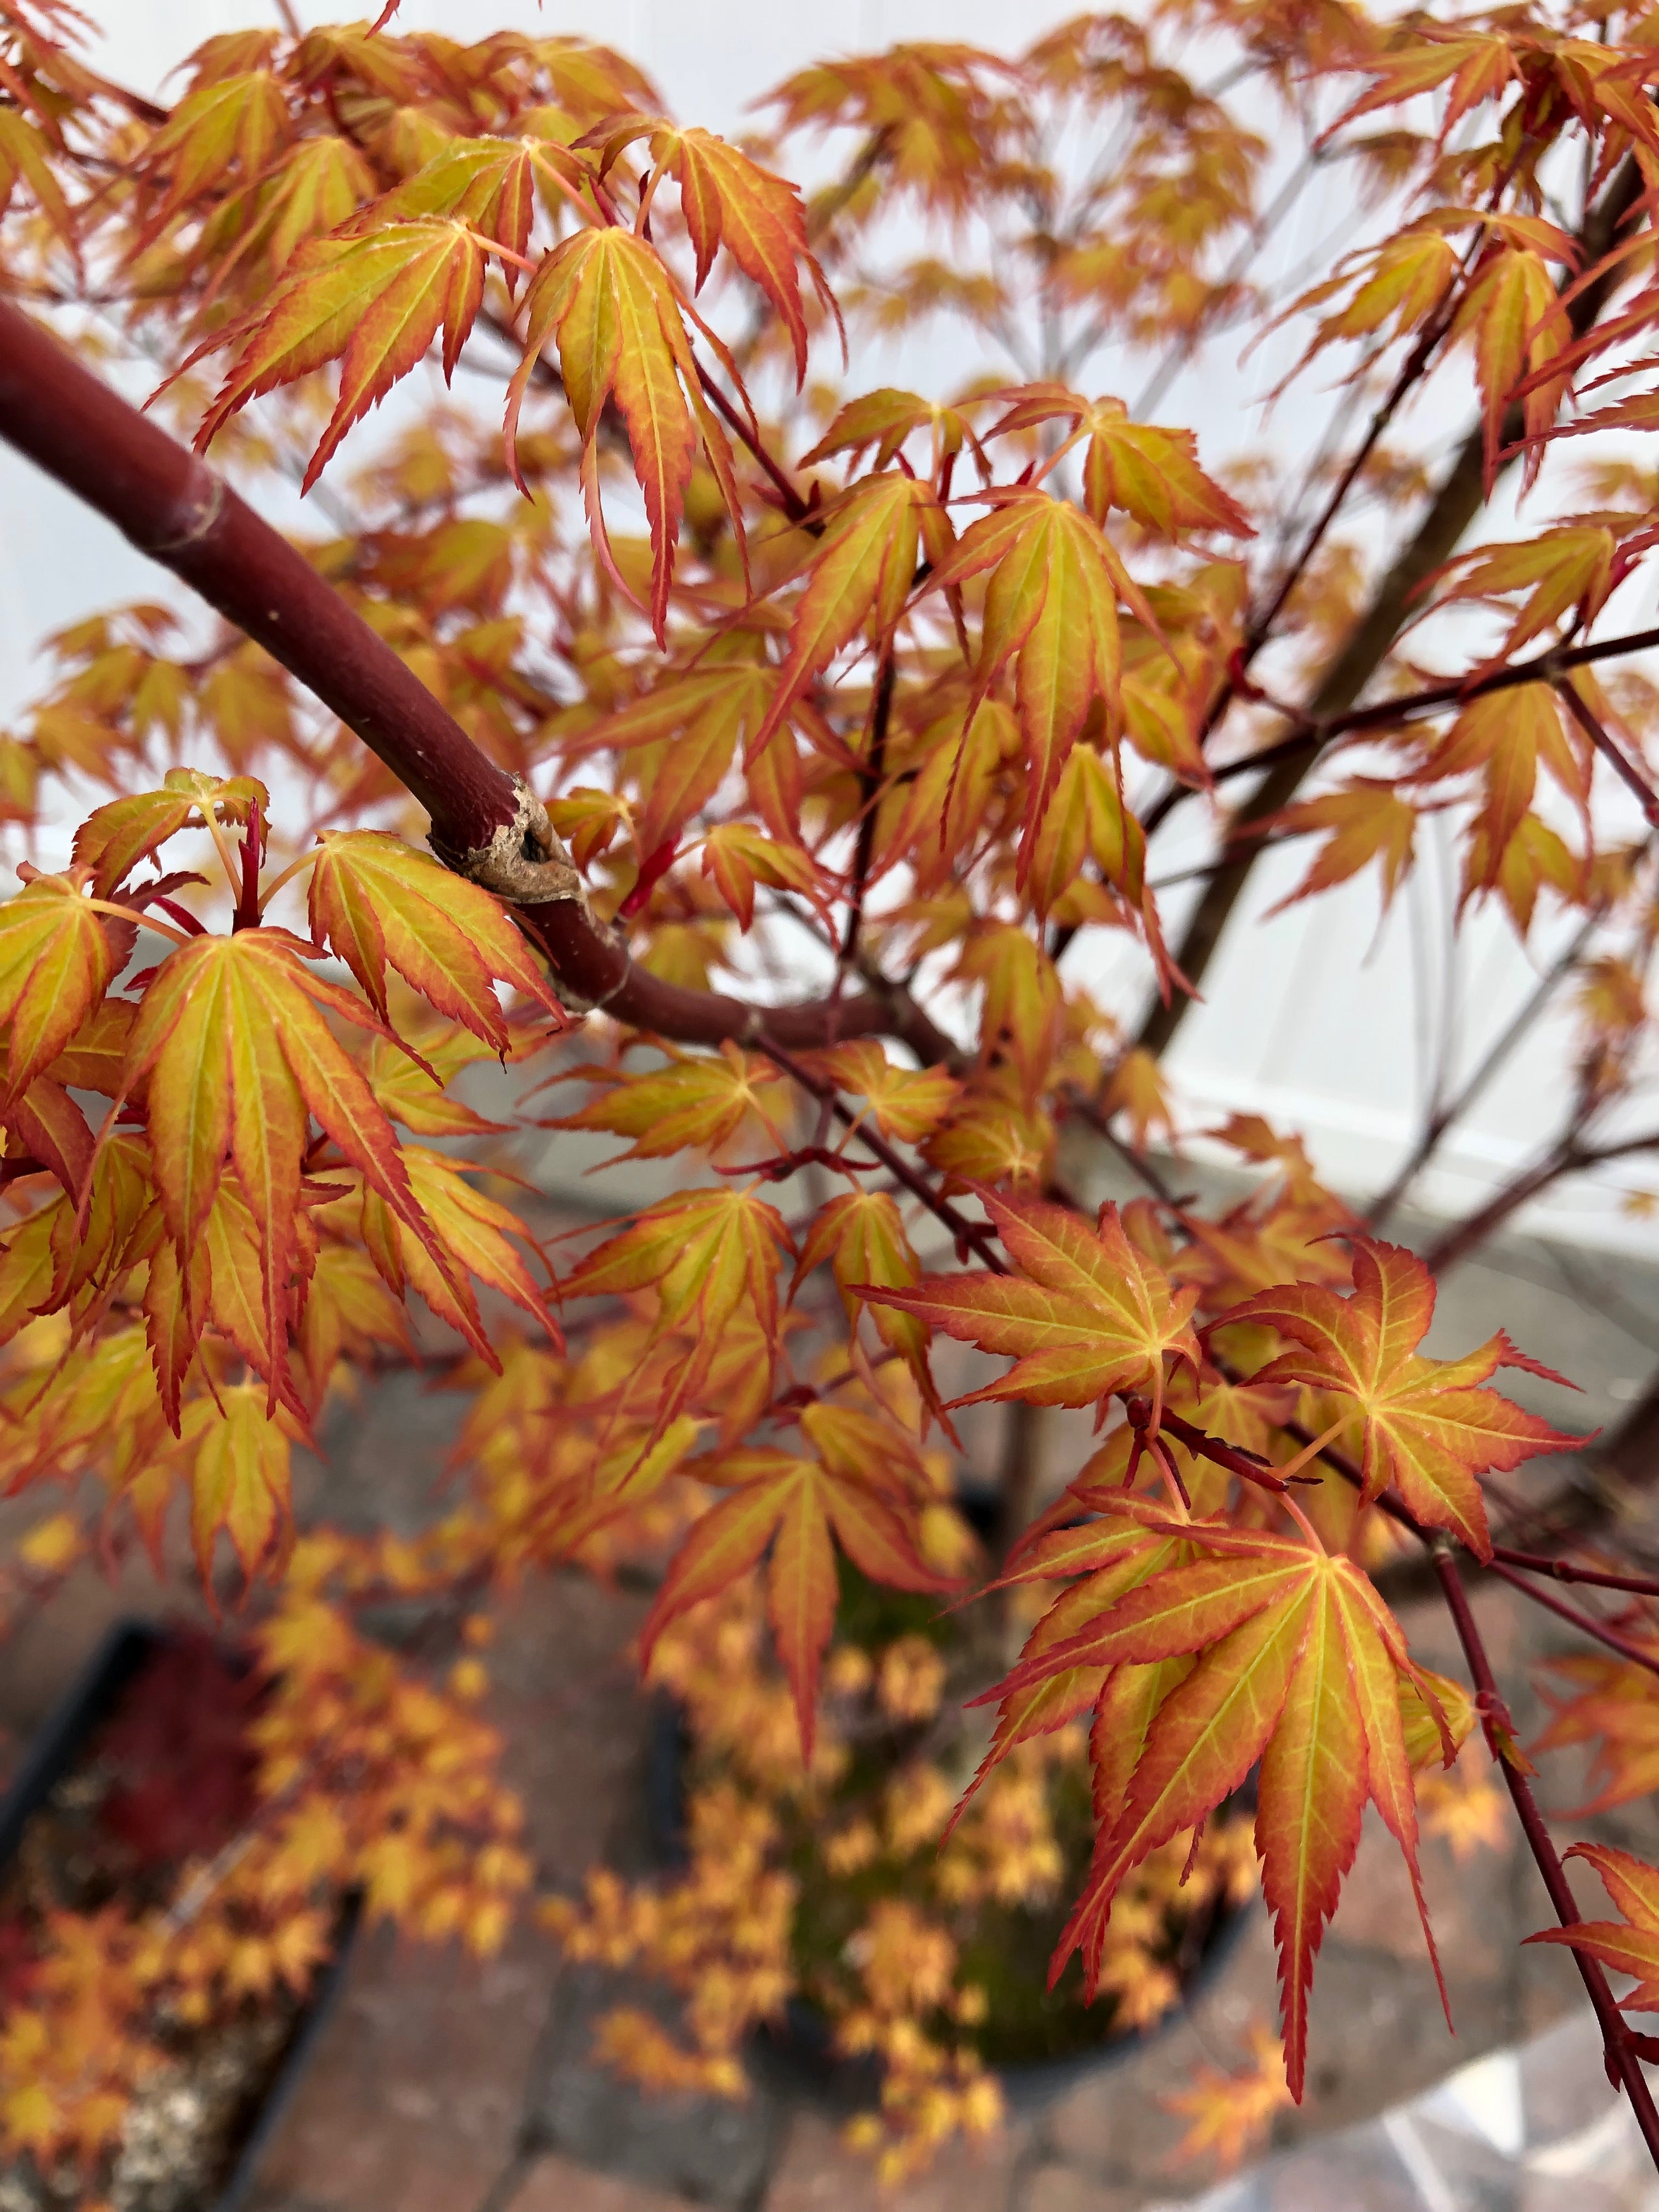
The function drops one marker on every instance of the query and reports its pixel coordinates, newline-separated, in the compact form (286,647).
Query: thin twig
(1623,2064)
(1562,1570)
(1585,1623)
(1453,1110)
(966,1233)
(871,772)
(1591,724)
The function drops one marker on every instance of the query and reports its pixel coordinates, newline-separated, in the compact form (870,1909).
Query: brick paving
(443,2084)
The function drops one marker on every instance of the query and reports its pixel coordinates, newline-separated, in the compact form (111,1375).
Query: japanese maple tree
(750,753)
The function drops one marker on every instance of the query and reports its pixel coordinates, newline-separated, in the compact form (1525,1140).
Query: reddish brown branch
(970,1236)
(1312,732)
(1562,1570)
(1630,774)
(1623,2064)
(1585,1623)
(168,504)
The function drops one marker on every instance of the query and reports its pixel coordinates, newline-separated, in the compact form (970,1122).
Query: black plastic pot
(82,1710)
(798,2054)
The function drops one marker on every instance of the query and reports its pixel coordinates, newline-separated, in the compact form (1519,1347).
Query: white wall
(1315,1018)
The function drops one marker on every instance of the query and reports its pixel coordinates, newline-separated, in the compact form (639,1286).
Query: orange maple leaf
(1088,1313)
(1298,1662)
(238,1058)
(1628,1947)
(1051,605)
(863,569)
(56,962)
(374,302)
(375,899)
(795,1505)
(605,297)
(1148,471)
(1429,1429)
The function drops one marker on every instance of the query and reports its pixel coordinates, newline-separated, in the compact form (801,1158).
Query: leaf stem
(247,903)
(144,919)
(294,868)
(870,771)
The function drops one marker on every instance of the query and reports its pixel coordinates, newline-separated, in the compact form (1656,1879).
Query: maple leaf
(688,727)
(704,1252)
(1051,605)
(1088,820)
(729,200)
(1148,473)
(239,1480)
(1628,1947)
(56,962)
(232,1039)
(887,420)
(1467,1811)
(739,856)
(1505,737)
(1429,1429)
(1534,857)
(1367,821)
(1614,1708)
(1139,1091)
(861,1234)
(795,1505)
(1087,1314)
(411,1090)
(1112,1555)
(113,839)
(460,1228)
(954,790)
(1507,311)
(372,898)
(1567,568)
(862,571)
(25,160)
(489,184)
(909,1104)
(374,303)
(1297,1661)
(316,187)
(607,301)
(241,119)
(701,1101)
(1407,278)
(1477,65)
(1230,2113)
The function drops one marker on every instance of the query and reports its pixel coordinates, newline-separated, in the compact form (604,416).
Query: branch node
(198,514)
(525,863)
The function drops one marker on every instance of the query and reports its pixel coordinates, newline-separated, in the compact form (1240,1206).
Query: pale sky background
(1310,1018)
